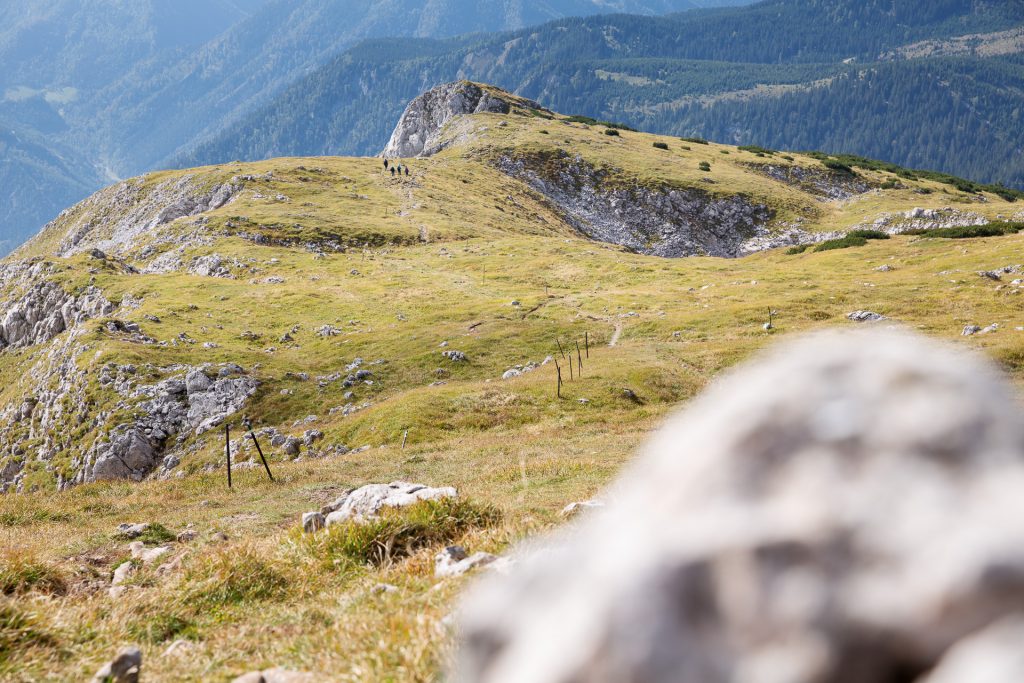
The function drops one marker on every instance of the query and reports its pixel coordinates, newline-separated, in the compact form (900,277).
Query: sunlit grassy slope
(438,257)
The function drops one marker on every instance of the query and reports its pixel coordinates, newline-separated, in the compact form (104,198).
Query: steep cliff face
(659,221)
(419,131)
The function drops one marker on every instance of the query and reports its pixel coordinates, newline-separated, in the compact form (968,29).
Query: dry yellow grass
(261,598)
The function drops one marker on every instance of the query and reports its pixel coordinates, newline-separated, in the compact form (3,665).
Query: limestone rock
(124,668)
(277,676)
(659,221)
(313,521)
(122,573)
(418,132)
(132,530)
(453,561)
(865,317)
(139,551)
(845,509)
(573,509)
(994,655)
(368,501)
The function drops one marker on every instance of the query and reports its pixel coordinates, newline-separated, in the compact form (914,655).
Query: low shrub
(869,234)
(696,141)
(399,532)
(841,243)
(798,249)
(660,145)
(157,534)
(587,120)
(612,132)
(838,166)
(705,166)
(972,231)
(756,149)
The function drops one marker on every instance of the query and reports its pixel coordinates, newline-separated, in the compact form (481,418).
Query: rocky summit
(263,421)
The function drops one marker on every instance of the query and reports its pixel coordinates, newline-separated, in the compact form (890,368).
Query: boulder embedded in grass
(124,668)
(368,501)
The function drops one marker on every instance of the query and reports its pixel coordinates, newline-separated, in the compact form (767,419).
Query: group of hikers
(395,169)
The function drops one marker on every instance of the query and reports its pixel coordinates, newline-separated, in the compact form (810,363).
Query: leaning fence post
(405,437)
(559,342)
(227,449)
(579,359)
(559,369)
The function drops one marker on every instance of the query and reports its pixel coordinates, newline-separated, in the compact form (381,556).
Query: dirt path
(615,335)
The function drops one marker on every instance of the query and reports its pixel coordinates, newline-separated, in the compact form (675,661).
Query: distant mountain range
(891,80)
(93,90)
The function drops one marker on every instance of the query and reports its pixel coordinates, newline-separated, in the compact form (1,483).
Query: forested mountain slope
(115,88)
(812,74)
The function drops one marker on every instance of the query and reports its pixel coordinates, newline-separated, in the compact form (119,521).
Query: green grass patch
(399,532)
(755,149)
(231,577)
(798,249)
(157,534)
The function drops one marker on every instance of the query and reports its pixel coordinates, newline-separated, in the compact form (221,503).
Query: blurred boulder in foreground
(849,508)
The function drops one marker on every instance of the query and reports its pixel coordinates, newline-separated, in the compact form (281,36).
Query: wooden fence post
(227,449)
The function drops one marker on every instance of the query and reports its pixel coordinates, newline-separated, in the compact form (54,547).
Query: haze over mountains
(880,79)
(95,90)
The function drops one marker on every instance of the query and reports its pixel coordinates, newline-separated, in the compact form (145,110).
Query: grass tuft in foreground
(19,575)
(398,533)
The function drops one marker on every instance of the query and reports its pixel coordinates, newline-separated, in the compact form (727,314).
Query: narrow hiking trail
(615,335)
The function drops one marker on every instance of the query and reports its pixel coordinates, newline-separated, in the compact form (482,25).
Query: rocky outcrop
(834,185)
(177,407)
(660,221)
(846,509)
(39,309)
(419,130)
(924,219)
(114,219)
(367,502)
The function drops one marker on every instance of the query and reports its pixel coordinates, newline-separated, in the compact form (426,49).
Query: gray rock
(313,521)
(660,221)
(846,509)
(278,676)
(453,561)
(994,655)
(865,317)
(367,501)
(132,530)
(146,555)
(419,131)
(125,668)
(455,356)
(197,382)
(573,509)
(970,330)
(122,573)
